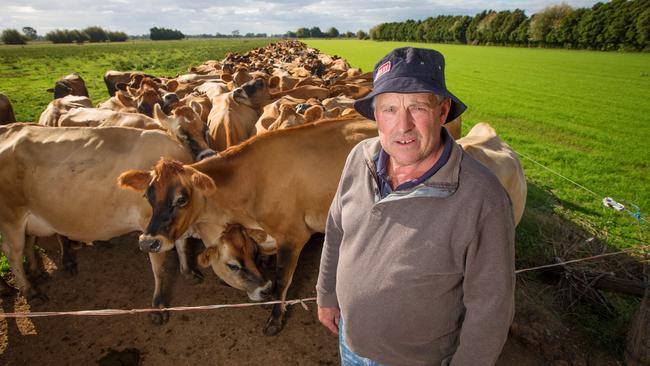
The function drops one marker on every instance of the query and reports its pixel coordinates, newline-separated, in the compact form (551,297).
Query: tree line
(91,34)
(616,25)
(315,32)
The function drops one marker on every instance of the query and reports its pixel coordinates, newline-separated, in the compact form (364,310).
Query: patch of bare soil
(118,276)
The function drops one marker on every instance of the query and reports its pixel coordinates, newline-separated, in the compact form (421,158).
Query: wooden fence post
(637,348)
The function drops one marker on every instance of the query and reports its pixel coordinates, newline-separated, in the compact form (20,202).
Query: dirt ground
(118,276)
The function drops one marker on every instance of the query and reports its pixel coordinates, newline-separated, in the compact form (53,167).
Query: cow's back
(65,178)
(295,171)
(483,144)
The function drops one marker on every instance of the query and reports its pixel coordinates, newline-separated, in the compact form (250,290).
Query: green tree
(302,32)
(117,36)
(333,32)
(643,29)
(30,33)
(12,36)
(361,34)
(542,23)
(96,34)
(165,34)
(349,34)
(315,32)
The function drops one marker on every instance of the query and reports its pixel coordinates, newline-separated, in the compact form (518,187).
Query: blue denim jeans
(349,358)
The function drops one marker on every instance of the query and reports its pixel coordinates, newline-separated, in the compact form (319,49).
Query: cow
(6,110)
(287,198)
(231,119)
(185,125)
(113,78)
(41,164)
(71,84)
(94,117)
(58,107)
(234,115)
(120,102)
(483,144)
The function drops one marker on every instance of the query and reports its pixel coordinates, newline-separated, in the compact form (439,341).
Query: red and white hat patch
(383,69)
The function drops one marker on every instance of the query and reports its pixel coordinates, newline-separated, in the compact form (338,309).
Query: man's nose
(404,120)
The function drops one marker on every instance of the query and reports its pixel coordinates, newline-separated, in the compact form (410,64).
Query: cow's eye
(181,201)
(233,267)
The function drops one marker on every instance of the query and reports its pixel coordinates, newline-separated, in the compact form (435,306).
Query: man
(418,261)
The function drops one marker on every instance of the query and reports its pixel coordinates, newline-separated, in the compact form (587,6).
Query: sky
(136,17)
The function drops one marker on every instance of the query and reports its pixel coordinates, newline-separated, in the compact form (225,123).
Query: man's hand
(329,317)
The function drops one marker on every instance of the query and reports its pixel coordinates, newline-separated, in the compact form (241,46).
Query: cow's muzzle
(150,245)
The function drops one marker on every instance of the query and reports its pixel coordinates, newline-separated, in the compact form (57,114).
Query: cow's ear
(172,85)
(226,77)
(166,121)
(132,91)
(313,113)
(122,98)
(196,107)
(50,90)
(204,258)
(121,86)
(258,236)
(203,182)
(274,82)
(137,180)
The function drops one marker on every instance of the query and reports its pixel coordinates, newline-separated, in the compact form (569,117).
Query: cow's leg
(192,275)
(35,271)
(157,261)
(13,246)
(68,255)
(5,288)
(287,261)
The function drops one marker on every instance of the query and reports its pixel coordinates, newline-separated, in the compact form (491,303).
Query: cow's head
(176,194)
(233,260)
(145,99)
(186,125)
(254,93)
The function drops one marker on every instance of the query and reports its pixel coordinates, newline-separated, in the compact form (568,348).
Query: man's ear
(204,258)
(445,108)
(137,180)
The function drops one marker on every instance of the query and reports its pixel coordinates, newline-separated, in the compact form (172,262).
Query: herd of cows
(244,153)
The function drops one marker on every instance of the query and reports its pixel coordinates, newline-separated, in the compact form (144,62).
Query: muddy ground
(118,276)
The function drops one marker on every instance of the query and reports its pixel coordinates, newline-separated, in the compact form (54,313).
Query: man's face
(409,127)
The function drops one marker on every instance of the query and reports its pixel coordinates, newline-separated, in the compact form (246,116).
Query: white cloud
(20,9)
(271,17)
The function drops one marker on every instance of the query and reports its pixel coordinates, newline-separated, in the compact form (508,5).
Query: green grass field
(583,114)
(26,72)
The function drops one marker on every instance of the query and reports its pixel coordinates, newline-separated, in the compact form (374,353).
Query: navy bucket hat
(410,70)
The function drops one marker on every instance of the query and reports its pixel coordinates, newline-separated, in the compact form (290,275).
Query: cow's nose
(150,245)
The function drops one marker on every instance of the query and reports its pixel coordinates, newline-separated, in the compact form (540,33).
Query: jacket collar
(445,179)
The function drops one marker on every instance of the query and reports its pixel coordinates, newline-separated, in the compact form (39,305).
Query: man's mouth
(405,141)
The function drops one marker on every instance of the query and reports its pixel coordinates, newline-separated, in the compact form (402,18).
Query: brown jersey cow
(281,182)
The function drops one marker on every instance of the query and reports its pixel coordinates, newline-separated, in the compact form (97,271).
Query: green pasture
(586,116)
(583,114)
(26,72)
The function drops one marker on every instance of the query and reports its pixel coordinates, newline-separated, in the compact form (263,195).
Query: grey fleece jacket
(423,276)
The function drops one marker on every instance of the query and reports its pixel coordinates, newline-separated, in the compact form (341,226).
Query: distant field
(584,114)
(27,71)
